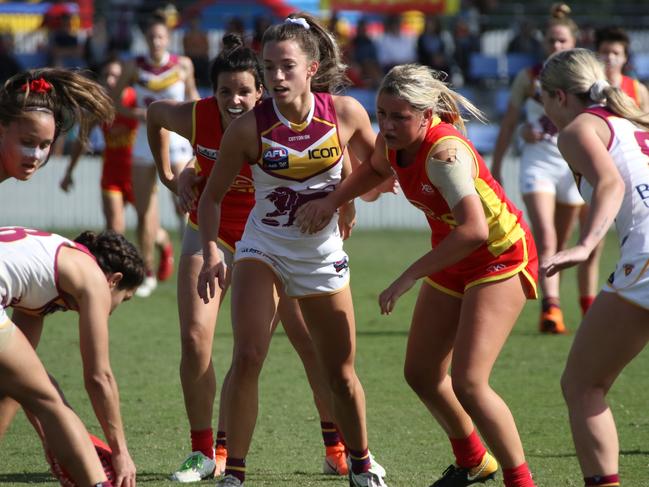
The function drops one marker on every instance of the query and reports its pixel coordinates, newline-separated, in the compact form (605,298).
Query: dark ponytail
(235,58)
(115,254)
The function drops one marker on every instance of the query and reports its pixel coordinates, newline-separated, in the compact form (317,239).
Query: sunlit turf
(287,447)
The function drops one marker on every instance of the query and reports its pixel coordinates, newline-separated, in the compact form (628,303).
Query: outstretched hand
(187,184)
(124,469)
(67,182)
(314,215)
(564,259)
(210,275)
(388,298)
(347,220)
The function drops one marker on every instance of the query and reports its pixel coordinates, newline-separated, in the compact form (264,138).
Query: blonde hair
(319,45)
(560,16)
(423,88)
(579,72)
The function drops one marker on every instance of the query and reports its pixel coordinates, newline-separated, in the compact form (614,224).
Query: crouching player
(41,273)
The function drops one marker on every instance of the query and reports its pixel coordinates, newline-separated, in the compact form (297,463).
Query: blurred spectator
(121,21)
(435,45)
(96,45)
(65,48)
(466,43)
(394,46)
(612,47)
(587,36)
(53,17)
(526,40)
(365,69)
(235,26)
(337,28)
(9,65)
(259,25)
(197,48)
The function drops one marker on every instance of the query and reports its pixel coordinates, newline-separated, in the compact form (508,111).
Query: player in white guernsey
(158,76)
(295,143)
(551,197)
(41,273)
(604,137)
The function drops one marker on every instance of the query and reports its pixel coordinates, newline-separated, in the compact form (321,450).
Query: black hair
(235,58)
(115,254)
(612,34)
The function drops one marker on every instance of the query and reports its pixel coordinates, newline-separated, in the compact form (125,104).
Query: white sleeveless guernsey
(159,82)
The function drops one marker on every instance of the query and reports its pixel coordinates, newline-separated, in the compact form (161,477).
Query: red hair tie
(39,85)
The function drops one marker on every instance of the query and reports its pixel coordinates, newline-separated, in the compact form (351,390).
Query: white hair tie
(298,21)
(597,90)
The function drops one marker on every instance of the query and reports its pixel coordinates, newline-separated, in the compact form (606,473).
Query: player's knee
(196,341)
(467,391)
(248,361)
(342,382)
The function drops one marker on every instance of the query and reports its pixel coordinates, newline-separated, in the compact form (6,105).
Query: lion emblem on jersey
(287,201)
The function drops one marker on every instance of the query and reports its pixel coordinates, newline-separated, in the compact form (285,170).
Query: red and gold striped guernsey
(506,225)
(206,141)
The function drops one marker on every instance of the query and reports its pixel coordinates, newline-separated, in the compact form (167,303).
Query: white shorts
(180,150)
(301,278)
(630,280)
(543,170)
(7,329)
(192,245)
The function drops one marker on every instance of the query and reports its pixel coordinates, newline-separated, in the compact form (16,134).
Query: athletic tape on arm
(449,169)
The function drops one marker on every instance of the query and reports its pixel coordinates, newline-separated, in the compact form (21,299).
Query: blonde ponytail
(423,88)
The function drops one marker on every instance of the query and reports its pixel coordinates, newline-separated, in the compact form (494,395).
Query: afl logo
(275,158)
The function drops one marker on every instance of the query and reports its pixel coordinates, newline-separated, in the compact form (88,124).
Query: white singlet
(159,82)
(28,270)
(629,149)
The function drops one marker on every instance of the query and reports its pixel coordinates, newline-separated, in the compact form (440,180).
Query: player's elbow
(98,383)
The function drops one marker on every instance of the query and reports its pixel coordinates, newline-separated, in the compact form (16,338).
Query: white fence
(40,203)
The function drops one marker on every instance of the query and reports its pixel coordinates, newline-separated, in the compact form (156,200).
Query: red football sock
(468,451)
(585,302)
(518,476)
(202,441)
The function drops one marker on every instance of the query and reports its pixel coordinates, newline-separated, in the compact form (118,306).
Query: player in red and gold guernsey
(481,270)
(612,47)
(119,136)
(295,143)
(237,83)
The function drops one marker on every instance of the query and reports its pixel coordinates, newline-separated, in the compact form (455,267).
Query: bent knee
(422,381)
(342,383)
(469,391)
(248,361)
(579,391)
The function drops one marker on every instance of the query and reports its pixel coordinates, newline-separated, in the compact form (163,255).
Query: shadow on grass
(27,478)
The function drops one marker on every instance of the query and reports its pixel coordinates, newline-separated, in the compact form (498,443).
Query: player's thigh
(432,332)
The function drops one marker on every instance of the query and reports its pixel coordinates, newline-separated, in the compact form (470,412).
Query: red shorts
(116,178)
(519,258)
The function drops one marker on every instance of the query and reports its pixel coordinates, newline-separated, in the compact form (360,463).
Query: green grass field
(287,447)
